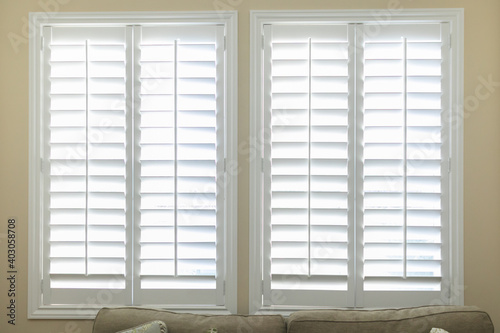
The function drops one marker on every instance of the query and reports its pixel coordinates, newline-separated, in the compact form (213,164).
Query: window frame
(382,17)
(36,308)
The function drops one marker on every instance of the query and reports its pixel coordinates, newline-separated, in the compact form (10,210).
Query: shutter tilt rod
(309,172)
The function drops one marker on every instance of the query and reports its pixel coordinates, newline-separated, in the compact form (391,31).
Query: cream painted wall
(481,155)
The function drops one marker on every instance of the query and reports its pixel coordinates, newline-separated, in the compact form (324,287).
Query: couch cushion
(111,320)
(455,319)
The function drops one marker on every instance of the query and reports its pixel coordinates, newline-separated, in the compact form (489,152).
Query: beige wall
(481,148)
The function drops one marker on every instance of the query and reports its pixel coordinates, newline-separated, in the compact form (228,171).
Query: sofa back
(112,320)
(454,319)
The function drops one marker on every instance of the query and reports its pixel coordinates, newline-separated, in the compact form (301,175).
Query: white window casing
(355,190)
(133,119)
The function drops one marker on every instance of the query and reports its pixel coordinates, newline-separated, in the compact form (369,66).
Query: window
(133,124)
(356,181)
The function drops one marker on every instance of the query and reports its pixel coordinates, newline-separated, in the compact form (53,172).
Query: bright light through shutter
(180,162)
(355,142)
(87,161)
(133,124)
(307,213)
(404,164)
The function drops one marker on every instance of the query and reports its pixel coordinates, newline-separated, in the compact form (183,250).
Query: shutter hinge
(41,285)
(262,165)
(224,288)
(262,287)
(41,165)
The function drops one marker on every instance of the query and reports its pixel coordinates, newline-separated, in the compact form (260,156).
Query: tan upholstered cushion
(111,320)
(410,320)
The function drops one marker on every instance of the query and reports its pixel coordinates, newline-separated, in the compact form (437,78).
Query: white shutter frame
(266,167)
(258,255)
(227,20)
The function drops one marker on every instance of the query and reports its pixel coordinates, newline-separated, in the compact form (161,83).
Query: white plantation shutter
(355,164)
(403,163)
(133,203)
(179,162)
(308,164)
(87,161)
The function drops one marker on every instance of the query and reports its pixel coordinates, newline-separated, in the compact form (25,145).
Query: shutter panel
(404,164)
(400,177)
(86,155)
(179,164)
(308,165)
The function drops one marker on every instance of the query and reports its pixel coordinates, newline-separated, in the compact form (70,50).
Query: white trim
(446,154)
(36,308)
(255,173)
(266,165)
(61,312)
(232,168)
(120,18)
(44,103)
(261,17)
(258,19)
(457,147)
(34,228)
